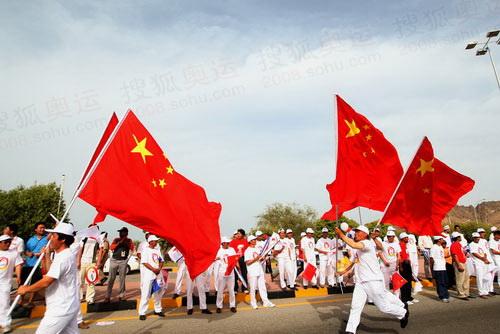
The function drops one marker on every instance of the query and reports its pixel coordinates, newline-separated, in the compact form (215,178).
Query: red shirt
(456,248)
(404,254)
(239,245)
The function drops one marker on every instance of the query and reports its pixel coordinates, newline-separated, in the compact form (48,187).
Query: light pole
(475,211)
(484,49)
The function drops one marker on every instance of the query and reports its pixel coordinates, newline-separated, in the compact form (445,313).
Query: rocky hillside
(486,212)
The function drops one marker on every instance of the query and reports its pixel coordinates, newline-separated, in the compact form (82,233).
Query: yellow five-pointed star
(369,137)
(353,129)
(425,166)
(141,148)
(426,190)
(170,170)
(154,183)
(162,183)
(366,127)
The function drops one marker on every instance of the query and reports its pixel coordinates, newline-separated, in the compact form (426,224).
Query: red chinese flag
(232,260)
(397,281)
(368,166)
(428,191)
(134,181)
(309,272)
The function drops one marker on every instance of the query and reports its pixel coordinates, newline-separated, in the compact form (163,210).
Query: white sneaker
(269,305)
(415,301)
(409,303)
(255,307)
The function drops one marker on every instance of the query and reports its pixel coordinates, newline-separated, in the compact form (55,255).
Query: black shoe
(206,311)
(160,314)
(404,322)
(493,293)
(190,311)
(142,317)
(315,287)
(218,310)
(371,303)
(233,309)
(349,333)
(305,287)
(175,296)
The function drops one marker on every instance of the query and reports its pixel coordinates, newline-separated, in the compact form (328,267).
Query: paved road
(307,315)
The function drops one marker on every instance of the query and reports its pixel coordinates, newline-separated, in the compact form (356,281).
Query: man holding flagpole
(225,279)
(60,284)
(369,280)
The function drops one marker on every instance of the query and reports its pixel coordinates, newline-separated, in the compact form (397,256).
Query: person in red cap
(369,280)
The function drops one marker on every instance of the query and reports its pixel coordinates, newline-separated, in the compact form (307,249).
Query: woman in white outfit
(256,274)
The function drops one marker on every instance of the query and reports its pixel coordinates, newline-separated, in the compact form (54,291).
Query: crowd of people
(373,262)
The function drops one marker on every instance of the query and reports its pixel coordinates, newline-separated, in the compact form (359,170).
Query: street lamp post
(484,49)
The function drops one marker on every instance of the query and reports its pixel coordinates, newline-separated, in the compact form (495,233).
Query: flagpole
(399,184)
(61,187)
(75,195)
(337,245)
(359,213)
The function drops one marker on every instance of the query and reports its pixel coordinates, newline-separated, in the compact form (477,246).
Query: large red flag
(368,166)
(134,181)
(427,192)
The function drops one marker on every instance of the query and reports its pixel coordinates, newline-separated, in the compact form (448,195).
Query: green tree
(26,206)
(279,215)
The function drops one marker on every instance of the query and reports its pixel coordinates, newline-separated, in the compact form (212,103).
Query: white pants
(388,272)
(207,276)
(181,272)
(293,265)
(260,283)
(146,294)
(311,260)
(222,283)
(199,282)
(5,305)
(326,272)
(482,279)
(384,300)
(216,274)
(285,269)
(65,324)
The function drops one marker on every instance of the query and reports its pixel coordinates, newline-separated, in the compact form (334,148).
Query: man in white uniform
(480,259)
(293,256)
(199,283)
(60,284)
(325,247)
(369,280)
(10,260)
(389,257)
(281,253)
(88,256)
(224,281)
(495,252)
(16,242)
(255,274)
(491,266)
(152,263)
(308,245)
(181,273)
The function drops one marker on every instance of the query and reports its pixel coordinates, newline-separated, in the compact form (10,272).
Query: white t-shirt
(144,244)
(282,244)
(478,248)
(89,251)
(391,251)
(495,245)
(151,256)
(308,245)
(9,259)
(326,245)
(437,253)
(61,297)
(447,237)
(367,268)
(291,248)
(17,244)
(260,245)
(254,269)
(222,255)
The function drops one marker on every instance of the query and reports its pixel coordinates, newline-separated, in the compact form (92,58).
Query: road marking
(177,314)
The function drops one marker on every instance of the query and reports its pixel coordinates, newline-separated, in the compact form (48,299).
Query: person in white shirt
(389,257)
(325,247)
(10,262)
(495,252)
(446,235)
(16,242)
(369,280)
(425,245)
(199,283)
(223,280)
(282,254)
(491,265)
(438,264)
(308,245)
(181,273)
(87,258)
(492,232)
(293,256)
(255,274)
(152,264)
(413,254)
(391,229)
(260,244)
(61,299)
(481,262)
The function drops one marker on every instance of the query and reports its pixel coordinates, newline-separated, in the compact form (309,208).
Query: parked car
(133,264)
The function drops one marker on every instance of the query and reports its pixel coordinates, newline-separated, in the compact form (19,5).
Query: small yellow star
(365,154)
(162,183)
(426,191)
(154,183)
(141,148)
(366,127)
(425,166)
(170,170)
(353,129)
(372,150)
(369,137)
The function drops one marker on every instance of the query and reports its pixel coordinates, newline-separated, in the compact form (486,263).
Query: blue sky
(240,94)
